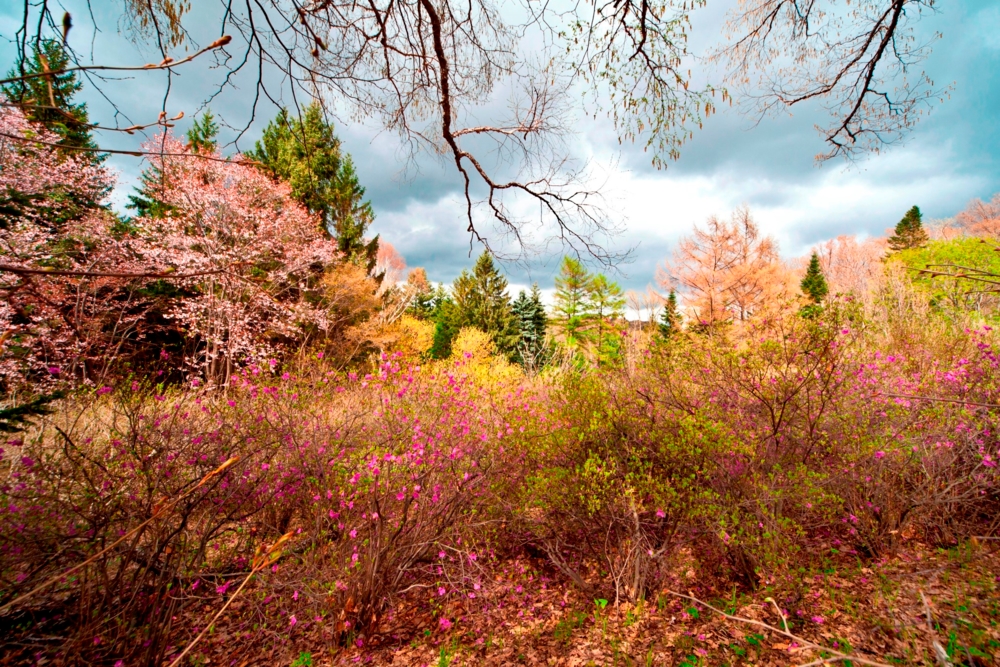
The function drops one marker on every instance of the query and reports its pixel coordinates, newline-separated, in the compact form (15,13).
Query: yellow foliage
(472,343)
(474,349)
(413,337)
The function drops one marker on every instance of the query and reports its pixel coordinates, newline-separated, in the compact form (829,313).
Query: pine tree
(909,232)
(204,132)
(572,314)
(813,284)
(670,318)
(305,153)
(49,99)
(530,320)
(482,302)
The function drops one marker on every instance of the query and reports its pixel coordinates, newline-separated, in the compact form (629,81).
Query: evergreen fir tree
(482,302)
(204,133)
(530,320)
(305,153)
(446,325)
(909,232)
(813,284)
(49,99)
(18,418)
(670,318)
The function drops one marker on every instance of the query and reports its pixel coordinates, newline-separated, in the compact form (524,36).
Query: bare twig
(167,63)
(263,560)
(836,655)
(156,514)
(939,653)
(112,151)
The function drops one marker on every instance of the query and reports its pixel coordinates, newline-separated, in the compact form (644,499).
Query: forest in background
(241,429)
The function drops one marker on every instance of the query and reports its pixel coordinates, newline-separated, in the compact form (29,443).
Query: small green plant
(447,653)
(305,659)
(632,615)
(599,605)
(565,628)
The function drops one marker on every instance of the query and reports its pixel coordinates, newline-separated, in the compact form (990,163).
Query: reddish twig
(263,559)
(835,655)
(156,514)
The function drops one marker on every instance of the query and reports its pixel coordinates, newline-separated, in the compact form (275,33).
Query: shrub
(380,480)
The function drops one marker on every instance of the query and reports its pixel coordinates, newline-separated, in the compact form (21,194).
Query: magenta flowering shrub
(926,450)
(381,480)
(754,451)
(131,516)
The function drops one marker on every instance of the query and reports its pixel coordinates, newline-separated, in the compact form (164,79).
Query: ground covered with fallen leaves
(923,606)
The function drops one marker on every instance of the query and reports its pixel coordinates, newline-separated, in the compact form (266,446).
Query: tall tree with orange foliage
(725,271)
(981,218)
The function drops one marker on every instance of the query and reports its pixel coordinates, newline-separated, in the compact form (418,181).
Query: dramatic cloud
(767,165)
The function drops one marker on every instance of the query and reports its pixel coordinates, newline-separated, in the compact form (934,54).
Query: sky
(947,159)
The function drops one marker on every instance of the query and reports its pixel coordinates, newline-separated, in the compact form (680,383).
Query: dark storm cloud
(781,148)
(948,158)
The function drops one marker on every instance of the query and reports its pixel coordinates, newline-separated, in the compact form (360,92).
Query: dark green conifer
(204,133)
(305,153)
(49,99)
(446,325)
(909,232)
(670,318)
(482,302)
(813,284)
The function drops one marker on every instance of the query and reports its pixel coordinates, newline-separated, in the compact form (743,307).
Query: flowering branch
(12,268)
(269,557)
(156,514)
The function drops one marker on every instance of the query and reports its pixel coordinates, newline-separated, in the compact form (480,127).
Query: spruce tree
(423,305)
(813,284)
(670,318)
(530,320)
(305,153)
(909,232)
(48,100)
(482,302)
